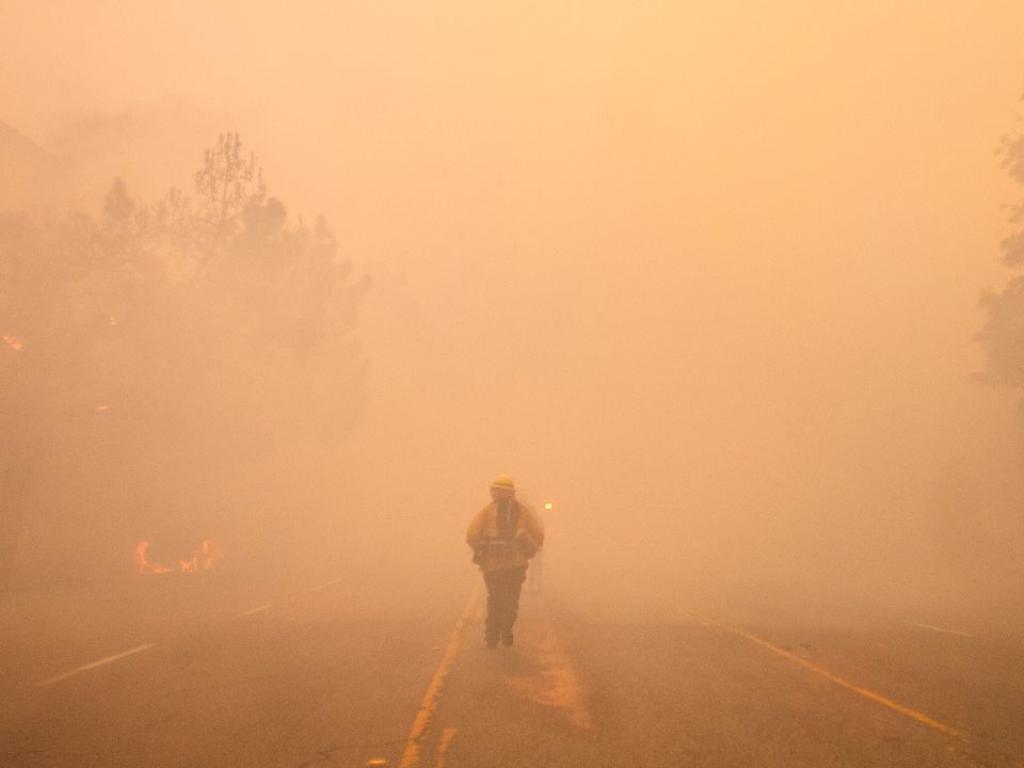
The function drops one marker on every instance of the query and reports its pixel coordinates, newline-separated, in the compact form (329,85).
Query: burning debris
(13,342)
(206,557)
(142,563)
(203,559)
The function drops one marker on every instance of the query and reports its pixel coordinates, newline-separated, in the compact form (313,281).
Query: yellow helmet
(504,482)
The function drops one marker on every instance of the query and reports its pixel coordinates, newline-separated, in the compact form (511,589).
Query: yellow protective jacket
(494,553)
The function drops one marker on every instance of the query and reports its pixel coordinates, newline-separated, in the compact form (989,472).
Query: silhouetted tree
(1003,331)
(227,182)
(178,340)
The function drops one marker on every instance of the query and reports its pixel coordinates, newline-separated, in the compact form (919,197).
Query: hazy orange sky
(629,249)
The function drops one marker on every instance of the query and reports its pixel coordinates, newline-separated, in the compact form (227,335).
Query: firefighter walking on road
(504,536)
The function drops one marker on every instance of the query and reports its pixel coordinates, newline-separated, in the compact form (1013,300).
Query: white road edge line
(251,611)
(325,585)
(937,629)
(93,665)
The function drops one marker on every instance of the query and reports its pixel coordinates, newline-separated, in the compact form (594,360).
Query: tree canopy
(1003,332)
(173,343)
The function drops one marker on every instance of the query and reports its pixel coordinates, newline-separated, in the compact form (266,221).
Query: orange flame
(203,559)
(13,342)
(142,562)
(206,556)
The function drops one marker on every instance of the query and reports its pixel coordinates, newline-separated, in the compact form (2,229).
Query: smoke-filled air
(482,384)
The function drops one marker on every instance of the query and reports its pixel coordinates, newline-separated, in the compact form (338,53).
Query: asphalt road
(211,672)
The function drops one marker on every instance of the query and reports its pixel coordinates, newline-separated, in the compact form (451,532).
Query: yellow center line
(442,748)
(428,707)
(867,693)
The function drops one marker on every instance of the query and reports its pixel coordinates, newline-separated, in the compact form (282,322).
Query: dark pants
(503,588)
